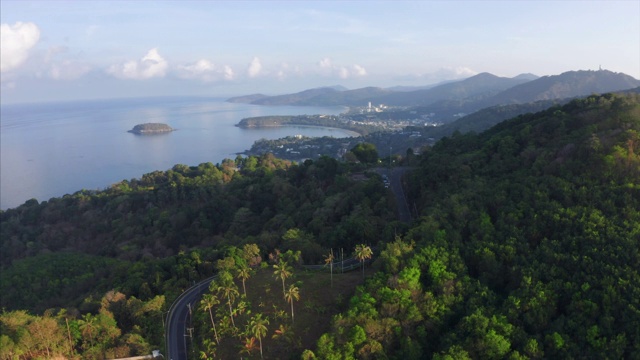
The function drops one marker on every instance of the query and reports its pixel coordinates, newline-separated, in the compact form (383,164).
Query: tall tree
(328,260)
(229,291)
(363,252)
(244,273)
(258,327)
(87,326)
(208,302)
(292,294)
(283,271)
(366,153)
(251,254)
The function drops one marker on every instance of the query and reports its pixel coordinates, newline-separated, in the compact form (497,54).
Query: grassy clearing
(319,301)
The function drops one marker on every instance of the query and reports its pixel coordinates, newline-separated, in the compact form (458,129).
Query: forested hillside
(527,246)
(146,240)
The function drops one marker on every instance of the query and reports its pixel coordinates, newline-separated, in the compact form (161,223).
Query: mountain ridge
(463,96)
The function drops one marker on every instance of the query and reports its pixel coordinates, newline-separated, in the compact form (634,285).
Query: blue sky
(68,50)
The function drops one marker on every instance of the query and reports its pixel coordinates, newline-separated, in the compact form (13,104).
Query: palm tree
(328,260)
(258,327)
(244,273)
(292,294)
(87,326)
(230,292)
(282,271)
(208,302)
(363,252)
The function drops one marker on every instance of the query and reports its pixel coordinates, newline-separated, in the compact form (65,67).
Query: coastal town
(393,130)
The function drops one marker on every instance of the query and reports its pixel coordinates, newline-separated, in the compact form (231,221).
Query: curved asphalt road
(178,319)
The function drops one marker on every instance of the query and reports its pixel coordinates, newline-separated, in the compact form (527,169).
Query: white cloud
(359,70)
(228,73)
(326,67)
(205,71)
(150,66)
(15,42)
(463,72)
(68,70)
(59,64)
(325,63)
(287,70)
(255,67)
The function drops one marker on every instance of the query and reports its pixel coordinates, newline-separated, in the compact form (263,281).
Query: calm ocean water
(48,150)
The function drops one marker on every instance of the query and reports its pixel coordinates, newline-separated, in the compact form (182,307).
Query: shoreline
(356,134)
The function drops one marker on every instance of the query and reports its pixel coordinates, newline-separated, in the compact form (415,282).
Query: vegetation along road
(179,319)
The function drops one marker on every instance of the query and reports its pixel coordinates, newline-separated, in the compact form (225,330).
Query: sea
(52,149)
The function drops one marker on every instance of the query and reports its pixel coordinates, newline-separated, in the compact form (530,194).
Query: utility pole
(190,330)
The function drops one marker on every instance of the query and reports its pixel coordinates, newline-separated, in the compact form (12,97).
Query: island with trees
(151,128)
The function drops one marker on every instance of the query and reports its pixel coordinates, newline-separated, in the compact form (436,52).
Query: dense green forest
(157,235)
(526,245)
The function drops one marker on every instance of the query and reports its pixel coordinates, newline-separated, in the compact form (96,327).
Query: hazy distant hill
(466,96)
(485,118)
(414,88)
(247,99)
(481,85)
(327,96)
(299,98)
(566,85)
(357,97)
(527,76)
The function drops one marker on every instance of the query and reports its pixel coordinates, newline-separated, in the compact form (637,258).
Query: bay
(48,150)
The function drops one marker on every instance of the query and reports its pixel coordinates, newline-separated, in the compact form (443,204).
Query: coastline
(97,150)
(351,131)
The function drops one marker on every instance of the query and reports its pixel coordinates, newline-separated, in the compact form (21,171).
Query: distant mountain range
(464,96)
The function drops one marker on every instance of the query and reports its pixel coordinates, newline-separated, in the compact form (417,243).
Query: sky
(73,50)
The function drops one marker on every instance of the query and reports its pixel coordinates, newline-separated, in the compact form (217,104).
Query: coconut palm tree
(258,327)
(363,252)
(282,271)
(87,326)
(328,260)
(230,292)
(208,302)
(292,294)
(244,273)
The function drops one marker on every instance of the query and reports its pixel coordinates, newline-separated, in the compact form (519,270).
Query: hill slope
(481,85)
(566,85)
(527,245)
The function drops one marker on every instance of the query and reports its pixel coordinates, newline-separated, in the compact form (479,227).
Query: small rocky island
(151,128)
